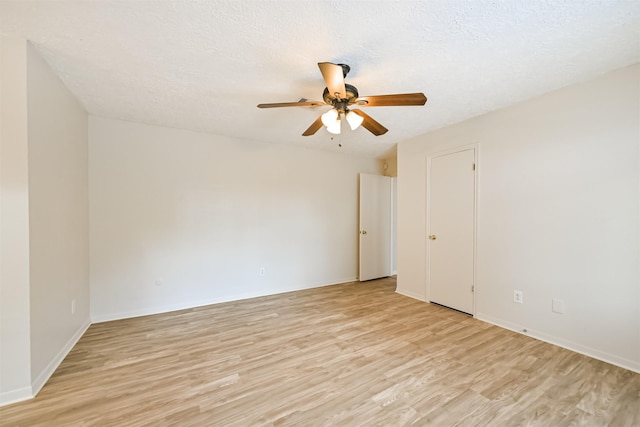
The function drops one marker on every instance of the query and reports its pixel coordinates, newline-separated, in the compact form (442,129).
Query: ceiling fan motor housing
(352,94)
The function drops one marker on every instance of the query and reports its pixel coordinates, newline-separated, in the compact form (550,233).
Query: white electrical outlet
(263,271)
(518,297)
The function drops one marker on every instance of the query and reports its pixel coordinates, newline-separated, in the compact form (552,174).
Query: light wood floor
(356,354)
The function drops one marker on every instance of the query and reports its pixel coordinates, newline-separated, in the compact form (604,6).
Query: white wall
(390,168)
(58,218)
(394,225)
(44,221)
(180,219)
(15,359)
(558,215)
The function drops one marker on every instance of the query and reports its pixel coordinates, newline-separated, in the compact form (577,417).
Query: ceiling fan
(341,96)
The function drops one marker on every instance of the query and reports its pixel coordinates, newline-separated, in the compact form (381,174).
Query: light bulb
(354,120)
(330,117)
(334,127)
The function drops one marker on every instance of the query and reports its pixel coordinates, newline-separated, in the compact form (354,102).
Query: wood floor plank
(352,354)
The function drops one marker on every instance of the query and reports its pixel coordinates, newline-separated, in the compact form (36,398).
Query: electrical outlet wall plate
(518,297)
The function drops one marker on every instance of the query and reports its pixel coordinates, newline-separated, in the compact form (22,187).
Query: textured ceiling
(204,65)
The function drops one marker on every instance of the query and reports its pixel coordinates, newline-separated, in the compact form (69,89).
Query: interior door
(375,227)
(451,229)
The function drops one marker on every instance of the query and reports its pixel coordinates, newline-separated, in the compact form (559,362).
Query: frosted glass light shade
(334,127)
(330,117)
(354,120)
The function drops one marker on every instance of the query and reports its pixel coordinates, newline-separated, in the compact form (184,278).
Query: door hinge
(472,288)
(473,167)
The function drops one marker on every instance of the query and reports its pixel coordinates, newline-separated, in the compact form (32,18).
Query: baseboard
(15,396)
(200,303)
(26,393)
(569,345)
(44,376)
(410,294)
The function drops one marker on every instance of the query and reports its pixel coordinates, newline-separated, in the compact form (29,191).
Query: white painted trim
(44,376)
(560,342)
(200,303)
(427,210)
(411,294)
(27,393)
(15,396)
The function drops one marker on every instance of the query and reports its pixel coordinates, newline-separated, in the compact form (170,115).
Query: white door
(451,229)
(375,227)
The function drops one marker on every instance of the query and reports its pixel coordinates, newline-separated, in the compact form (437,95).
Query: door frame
(427,216)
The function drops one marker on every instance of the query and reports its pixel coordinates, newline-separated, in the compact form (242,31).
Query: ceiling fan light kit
(334,127)
(354,120)
(340,96)
(330,117)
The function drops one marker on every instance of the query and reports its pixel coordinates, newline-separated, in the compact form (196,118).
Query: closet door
(451,230)
(375,227)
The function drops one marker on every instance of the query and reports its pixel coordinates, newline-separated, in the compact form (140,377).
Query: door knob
(432,237)
(363,232)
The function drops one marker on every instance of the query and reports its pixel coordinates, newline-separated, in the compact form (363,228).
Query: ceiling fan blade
(370,124)
(392,100)
(314,127)
(334,78)
(291,104)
